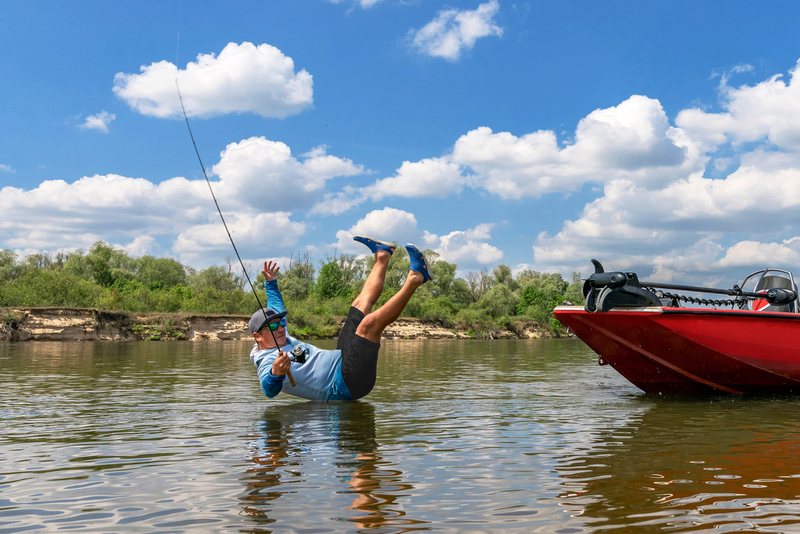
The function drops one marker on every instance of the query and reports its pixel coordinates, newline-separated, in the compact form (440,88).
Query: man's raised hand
(270,270)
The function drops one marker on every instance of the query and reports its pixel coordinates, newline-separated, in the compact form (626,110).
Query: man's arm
(271,385)
(276,368)
(274,297)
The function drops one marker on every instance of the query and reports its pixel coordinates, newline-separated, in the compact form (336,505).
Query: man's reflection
(286,439)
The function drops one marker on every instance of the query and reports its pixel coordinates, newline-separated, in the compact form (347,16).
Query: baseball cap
(263,316)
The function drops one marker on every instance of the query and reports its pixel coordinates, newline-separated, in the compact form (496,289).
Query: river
(457,436)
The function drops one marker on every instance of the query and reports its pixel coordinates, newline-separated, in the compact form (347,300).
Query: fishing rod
(246,275)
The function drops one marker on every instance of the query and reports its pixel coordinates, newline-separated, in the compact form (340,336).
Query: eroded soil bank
(90,324)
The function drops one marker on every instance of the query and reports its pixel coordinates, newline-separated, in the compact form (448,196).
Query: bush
(438,310)
(49,288)
(499,300)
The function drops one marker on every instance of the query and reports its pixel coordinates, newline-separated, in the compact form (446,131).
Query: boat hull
(685,350)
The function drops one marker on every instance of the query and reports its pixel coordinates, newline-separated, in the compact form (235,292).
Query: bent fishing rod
(241,263)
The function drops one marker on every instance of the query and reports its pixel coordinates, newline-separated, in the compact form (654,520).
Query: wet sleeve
(271,385)
(274,298)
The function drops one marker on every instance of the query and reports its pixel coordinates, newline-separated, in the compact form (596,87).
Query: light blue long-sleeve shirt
(319,378)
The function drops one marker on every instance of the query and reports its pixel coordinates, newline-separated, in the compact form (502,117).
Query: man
(349,372)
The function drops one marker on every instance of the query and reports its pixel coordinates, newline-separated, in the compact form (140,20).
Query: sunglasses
(274,326)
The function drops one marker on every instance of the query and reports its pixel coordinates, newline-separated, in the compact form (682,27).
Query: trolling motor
(604,291)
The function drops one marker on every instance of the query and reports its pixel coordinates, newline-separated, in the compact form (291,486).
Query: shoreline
(93,324)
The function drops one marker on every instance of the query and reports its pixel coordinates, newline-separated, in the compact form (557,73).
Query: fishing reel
(298,354)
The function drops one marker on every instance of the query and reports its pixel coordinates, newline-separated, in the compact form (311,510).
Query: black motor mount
(604,291)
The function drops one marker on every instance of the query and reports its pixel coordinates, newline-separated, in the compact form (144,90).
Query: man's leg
(373,287)
(360,338)
(373,325)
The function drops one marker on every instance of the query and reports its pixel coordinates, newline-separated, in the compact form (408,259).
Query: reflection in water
(730,465)
(292,445)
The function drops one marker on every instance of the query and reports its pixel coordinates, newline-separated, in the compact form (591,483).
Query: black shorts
(359,356)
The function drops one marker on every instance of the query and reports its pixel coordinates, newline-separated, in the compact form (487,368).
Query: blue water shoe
(375,244)
(418,262)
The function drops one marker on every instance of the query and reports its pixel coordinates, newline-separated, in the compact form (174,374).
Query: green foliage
(329,283)
(8,265)
(444,276)
(99,261)
(108,278)
(499,300)
(158,273)
(214,277)
(438,310)
(49,288)
(297,281)
(460,293)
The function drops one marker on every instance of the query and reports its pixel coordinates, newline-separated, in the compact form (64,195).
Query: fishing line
(241,263)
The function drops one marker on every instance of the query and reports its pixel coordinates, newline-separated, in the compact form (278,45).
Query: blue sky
(659,138)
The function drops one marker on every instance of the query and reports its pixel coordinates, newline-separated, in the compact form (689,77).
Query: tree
(99,260)
(499,301)
(460,292)
(8,265)
(352,269)
(526,278)
(157,273)
(554,285)
(574,292)
(479,283)
(329,281)
(214,277)
(443,274)
(77,264)
(502,275)
(296,279)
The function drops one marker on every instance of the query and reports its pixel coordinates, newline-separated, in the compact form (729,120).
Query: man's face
(264,337)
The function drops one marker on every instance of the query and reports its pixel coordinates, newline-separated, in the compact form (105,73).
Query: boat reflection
(732,465)
(297,443)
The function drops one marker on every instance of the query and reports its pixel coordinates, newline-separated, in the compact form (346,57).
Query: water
(458,436)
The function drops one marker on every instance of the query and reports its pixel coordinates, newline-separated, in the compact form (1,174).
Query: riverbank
(92,324)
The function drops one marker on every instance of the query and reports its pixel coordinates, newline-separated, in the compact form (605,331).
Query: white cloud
(364,4)
(640,226)
(260,234)
(264,173)
(753,253)
(632,141)
(99,121)
(690,224)
(259,182)
(434,177)
(336,203)
(141,246)
(467,248)
(770,109)
(242,79)
(6,168)
(453,31)
(387,224)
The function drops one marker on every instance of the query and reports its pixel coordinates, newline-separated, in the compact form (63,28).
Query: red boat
(661,346)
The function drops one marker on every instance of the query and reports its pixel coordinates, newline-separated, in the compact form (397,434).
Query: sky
(657,137)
